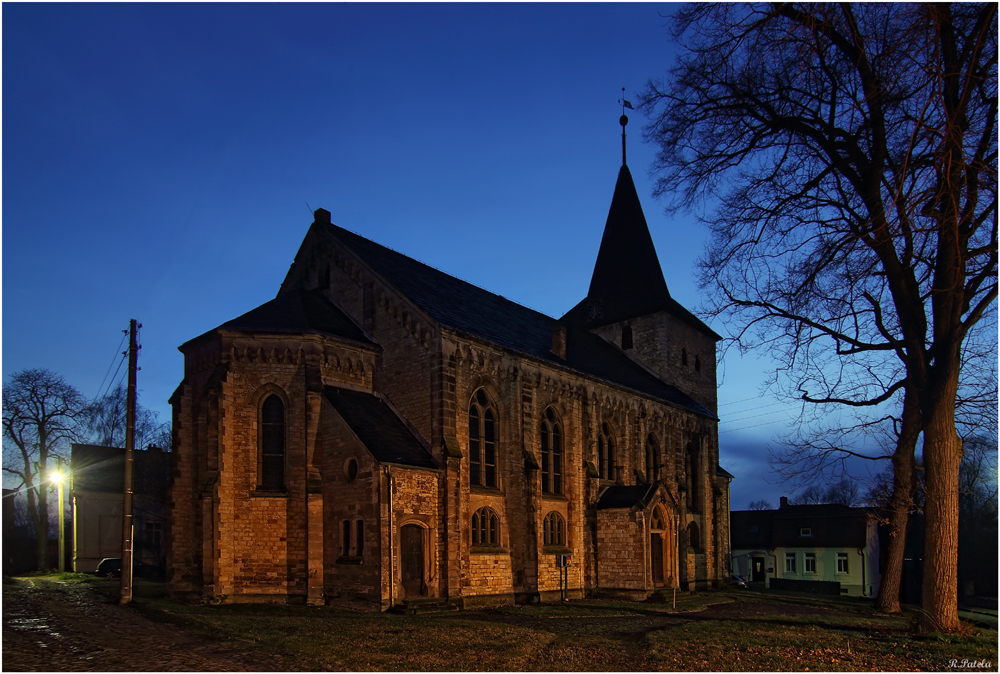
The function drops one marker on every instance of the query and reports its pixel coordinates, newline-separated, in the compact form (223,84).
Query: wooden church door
(411,543)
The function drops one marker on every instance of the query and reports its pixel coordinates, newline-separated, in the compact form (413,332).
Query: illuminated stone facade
(383,432)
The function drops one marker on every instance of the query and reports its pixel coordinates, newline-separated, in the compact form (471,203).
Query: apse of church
(383,432)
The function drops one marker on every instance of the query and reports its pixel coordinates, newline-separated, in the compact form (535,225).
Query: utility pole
(126,590)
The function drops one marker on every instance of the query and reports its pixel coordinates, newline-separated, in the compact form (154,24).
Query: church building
(381,431)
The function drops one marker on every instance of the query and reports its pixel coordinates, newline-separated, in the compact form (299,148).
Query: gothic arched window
(482,441)
(606,453)
(553,529)
(272,444)
(485,528)
(694,540)
(627,337)
(652,459)
(552,453)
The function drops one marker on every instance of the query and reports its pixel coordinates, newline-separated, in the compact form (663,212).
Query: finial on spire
(623,120)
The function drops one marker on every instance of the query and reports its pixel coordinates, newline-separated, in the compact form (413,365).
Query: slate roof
(298,311)
(380,430)
(623,496)
(830,526)
(466,308)
(628,279)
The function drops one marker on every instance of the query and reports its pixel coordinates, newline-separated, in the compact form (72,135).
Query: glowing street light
(57,479)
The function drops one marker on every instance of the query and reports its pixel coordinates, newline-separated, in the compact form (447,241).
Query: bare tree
(854,147)
(40,414)
(760,505)
(105,421)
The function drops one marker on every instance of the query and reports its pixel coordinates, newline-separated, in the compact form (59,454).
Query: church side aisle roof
(461,306)
(379,429)
(297,311)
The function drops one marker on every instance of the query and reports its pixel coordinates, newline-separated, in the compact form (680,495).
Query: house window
(810,562)
(606,453)
(485,528)
(805,532)
(154,535)
(482,441)
(652,459)
(627,337)
(789,562)
(553,529)
(346,542)
(552,453)
(360,538)
(272,444)
(842,563)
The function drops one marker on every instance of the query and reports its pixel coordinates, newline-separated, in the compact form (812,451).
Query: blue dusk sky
(161,162)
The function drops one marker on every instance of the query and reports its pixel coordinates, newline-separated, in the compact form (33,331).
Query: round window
(351,469)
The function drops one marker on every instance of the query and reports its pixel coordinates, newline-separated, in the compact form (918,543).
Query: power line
(110,365)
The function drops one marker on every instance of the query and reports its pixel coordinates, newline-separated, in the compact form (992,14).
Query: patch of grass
(759,632)
(814,642)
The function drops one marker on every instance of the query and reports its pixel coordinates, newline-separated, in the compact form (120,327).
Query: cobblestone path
(49,625)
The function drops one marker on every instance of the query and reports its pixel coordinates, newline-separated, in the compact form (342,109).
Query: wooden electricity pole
(126,590)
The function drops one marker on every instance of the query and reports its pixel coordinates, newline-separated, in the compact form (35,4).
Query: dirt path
(50,625)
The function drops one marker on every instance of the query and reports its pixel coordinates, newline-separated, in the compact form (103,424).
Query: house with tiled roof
(385,432)
(826,548)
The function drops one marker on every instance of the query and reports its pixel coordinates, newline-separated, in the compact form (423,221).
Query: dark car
(739,582)
(111,567)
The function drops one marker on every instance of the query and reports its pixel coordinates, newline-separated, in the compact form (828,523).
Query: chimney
(559,341)
(322,216)
(784,502)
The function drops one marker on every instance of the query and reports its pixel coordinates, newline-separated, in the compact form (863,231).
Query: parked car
(739,582)
(111,567)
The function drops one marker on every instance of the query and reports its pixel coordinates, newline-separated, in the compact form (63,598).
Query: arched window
(627,337)
(693,465)
(684,356)
(482,441)
(272,444)
(657,522)
(652,459)
(485,528)
(694,541)
(553,529)
(552,453)
(606,453)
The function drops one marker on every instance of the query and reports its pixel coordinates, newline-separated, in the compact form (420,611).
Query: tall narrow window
(810,562)
(482,441)
(789,562)
(360,538)
(652,459)
(272,443)
(842,566)
(606,453)
(552,453)
(693,470)
(627,337)
(347,538)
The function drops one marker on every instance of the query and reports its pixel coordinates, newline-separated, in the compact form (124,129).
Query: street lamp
(57,479)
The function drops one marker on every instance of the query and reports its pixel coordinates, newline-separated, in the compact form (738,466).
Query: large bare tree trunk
(903,488)
(942,460)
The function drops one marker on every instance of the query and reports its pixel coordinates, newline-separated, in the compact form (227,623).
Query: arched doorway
(411,560)
(660,548)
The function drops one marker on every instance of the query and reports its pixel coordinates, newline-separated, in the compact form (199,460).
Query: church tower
(629,305)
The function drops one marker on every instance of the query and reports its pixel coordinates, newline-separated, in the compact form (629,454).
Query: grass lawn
(711,631)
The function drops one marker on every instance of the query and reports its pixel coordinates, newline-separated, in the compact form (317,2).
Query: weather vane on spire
(623,120)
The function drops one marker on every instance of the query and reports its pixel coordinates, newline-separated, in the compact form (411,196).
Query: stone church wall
(621,550)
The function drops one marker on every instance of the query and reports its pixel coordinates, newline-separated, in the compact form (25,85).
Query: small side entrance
(656,558)
(411,544)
